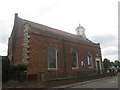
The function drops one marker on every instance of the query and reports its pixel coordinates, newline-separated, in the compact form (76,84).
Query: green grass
(12,82)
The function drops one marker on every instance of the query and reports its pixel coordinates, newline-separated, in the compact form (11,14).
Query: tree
(10,71)
(6,67)
(116,63)
(106,63)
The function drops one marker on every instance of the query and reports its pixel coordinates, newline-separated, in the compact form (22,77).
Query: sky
(98,17)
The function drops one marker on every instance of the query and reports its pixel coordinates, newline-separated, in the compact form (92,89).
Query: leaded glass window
(90,60)
(52,57)
(74,56)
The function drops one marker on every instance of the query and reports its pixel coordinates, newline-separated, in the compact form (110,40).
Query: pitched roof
(58,33)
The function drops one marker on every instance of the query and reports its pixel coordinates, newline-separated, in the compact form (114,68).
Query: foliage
(12,82)
(22,67)
(117,63)
(106,63)
(111,63)
(12,68)
(18,68)
(6,67)
(11,71)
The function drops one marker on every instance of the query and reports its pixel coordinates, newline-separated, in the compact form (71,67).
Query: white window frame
(98,59)
(90,54)
(56,60)
(76,58)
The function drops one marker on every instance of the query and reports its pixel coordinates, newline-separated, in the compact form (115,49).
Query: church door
(98,66)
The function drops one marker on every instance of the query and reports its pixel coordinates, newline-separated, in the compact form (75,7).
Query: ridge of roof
(46,26)
(59,33)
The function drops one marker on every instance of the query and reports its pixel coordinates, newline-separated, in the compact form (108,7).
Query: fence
(18,77)
(21,77)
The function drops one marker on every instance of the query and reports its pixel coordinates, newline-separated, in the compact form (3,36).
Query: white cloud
(106,40)
(3,49)
(109,45)
(98,17)
(110,51)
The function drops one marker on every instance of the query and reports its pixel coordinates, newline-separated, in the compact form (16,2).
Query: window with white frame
(74,56)
(52,57)
(90,59)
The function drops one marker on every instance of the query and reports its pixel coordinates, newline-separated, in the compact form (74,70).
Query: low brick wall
(57,82)
(74,80)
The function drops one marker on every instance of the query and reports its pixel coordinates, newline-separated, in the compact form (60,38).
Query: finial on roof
(16,14)
(16,18)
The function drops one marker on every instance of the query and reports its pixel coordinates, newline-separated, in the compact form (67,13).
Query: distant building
(51,53)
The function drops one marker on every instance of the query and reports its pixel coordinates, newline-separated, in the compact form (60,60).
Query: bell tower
(80,31)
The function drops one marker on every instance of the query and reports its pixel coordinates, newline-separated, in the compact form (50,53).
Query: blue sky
(98,17)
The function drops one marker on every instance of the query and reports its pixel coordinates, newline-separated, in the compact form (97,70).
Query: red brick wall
(18,53)
(15,47)
(38,53)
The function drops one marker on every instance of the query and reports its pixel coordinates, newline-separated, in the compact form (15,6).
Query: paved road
(111,82)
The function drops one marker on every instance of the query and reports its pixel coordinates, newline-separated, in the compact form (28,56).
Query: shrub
(12,71)
(11,82)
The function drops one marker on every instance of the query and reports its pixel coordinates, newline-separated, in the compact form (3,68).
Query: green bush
(12,71)
(12,82)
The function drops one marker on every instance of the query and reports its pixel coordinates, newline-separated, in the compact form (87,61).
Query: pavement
(80,83)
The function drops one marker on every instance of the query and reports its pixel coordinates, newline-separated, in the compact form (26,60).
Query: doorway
(98,65)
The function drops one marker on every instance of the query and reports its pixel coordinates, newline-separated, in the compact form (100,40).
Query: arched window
(52,57)
(74,56)
(90,59)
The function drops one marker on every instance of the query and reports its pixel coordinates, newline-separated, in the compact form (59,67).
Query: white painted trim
(56,62)
(77,62)
(98,59)
(75,67)
(26,43)
(88,59)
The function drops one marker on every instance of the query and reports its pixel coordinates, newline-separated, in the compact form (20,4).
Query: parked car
(118,70)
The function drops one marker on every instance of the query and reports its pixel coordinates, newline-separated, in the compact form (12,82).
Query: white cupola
(80,31)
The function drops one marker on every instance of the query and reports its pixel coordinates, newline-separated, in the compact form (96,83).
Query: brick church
(53,54)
